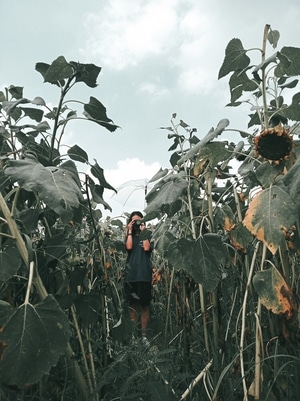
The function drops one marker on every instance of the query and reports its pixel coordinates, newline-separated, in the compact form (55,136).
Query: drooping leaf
(235,58)
(10,260)
(270,216)
(98,172)
(274,293)
(273,37)
(55,186)
(35,337)
(78,154)
(95,111)
(97,194)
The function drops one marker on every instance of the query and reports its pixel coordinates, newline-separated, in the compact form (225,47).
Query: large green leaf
(78,154)
(35,337)
(10,260)
(59,70)
(34,114)
(214,152)
(271,214)
(55,186)
(88,308)
(87,73)
(291,182)
(235,58)
(206,256)
(166,192)
(289,64)
(292,111)
(266,173)
(201,259)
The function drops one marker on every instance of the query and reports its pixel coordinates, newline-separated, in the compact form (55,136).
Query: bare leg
(145,317)
(133,313)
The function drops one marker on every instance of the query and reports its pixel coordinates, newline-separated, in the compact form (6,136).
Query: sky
(158,57)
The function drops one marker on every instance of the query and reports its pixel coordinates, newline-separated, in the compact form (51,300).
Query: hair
(135,213)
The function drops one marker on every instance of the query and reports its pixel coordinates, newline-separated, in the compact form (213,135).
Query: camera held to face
(137,225)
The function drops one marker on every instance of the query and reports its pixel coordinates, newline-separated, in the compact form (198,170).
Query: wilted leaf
(224,217)
(270,216)
(274,293)
(240,237)
(98,172)
(97,194)
(273,38)
(214,152)
(35,336)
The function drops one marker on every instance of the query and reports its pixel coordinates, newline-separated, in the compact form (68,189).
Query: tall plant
(51,246)
(234,232)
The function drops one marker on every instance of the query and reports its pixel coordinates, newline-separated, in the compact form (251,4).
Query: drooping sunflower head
(274,143)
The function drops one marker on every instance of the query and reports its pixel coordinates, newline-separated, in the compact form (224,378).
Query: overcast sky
(158,57)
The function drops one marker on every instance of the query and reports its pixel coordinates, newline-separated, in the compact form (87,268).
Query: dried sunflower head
(274,143)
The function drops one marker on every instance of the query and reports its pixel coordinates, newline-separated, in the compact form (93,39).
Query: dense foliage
(225,219)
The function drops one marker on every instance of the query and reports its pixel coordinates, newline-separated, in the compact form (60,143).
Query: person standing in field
(138,271)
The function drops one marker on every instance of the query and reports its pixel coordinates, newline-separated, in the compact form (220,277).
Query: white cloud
(171,33)
(124,34)
(154,89)
(130,178)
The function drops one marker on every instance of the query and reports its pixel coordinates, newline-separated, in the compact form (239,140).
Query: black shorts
(139,292)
